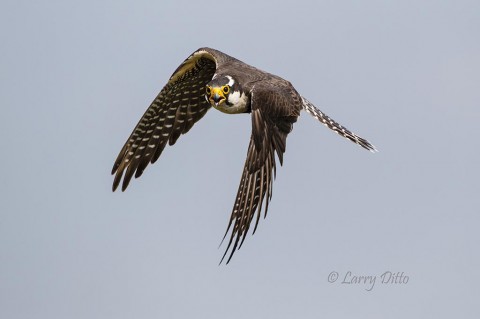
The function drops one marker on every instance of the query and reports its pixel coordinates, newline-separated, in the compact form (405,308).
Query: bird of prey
(208,78)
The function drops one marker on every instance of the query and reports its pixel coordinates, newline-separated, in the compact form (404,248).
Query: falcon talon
(212,78)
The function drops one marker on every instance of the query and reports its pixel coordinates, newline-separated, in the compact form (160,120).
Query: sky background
(76,76)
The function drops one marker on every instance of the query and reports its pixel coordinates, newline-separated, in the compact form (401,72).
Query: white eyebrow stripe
(230,80)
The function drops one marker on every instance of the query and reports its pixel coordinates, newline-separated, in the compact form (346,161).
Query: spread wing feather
(178,106)
(275,108)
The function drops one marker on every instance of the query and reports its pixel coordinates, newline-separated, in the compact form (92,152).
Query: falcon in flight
(212,78)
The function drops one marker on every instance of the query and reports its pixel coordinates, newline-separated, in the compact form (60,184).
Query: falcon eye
(208,90)
(226,89)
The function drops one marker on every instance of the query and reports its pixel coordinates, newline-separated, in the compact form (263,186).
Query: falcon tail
(337,128)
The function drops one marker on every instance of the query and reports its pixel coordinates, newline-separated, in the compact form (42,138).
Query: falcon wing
(274,110)
(178,106)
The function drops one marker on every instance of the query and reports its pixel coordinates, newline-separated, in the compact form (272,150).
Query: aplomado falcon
(212,78)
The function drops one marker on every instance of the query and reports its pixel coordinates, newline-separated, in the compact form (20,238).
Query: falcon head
(226,95)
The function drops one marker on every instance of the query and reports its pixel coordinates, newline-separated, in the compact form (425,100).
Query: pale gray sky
(75,78)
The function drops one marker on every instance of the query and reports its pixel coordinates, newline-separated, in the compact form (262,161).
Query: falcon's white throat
(237,101)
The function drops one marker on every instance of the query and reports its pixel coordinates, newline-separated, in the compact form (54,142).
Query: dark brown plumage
(233,87)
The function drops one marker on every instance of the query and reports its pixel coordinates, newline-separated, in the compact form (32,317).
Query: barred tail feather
(337,128)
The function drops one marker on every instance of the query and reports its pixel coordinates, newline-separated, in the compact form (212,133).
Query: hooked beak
(216,96)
